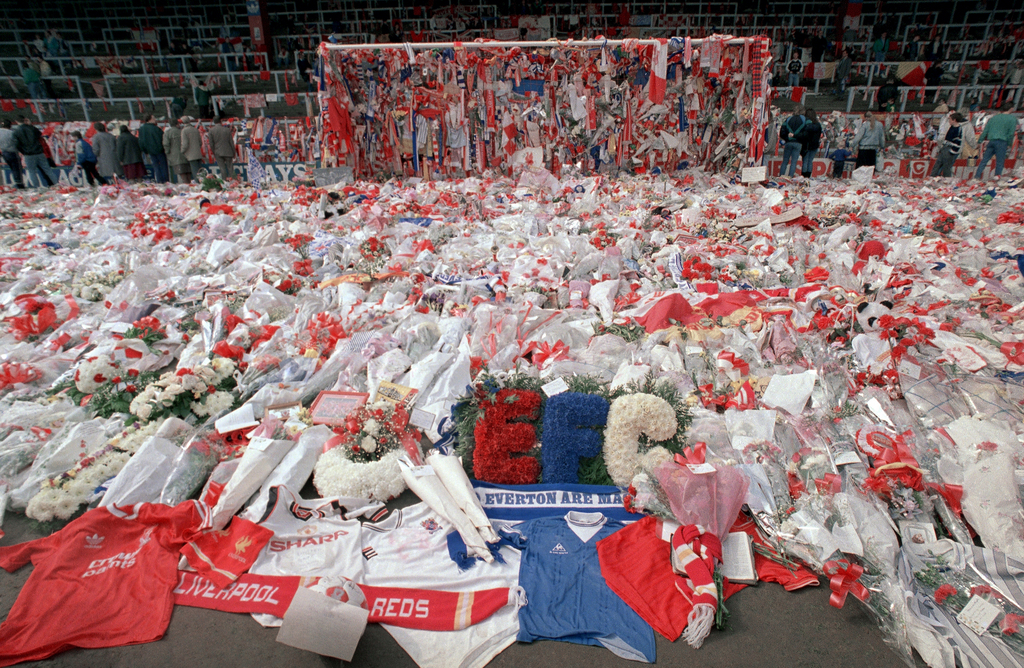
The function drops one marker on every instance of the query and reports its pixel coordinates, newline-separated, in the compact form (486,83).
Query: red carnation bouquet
(374,430)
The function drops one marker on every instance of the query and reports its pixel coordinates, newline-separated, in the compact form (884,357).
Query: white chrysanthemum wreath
(336,475)
(628,417)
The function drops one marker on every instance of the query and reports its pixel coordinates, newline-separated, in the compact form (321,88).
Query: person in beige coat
(191,145)
(222,143)
(179,167)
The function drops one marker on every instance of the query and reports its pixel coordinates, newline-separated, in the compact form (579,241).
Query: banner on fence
(909,168)
(277,172)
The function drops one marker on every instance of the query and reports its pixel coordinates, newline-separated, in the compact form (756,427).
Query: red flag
(659,65)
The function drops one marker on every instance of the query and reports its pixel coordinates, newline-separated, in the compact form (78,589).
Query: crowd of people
(800,140)
(174,154)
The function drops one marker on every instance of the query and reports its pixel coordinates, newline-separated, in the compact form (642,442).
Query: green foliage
(146,335)
(593,471)
(629,332)
(107,399)
(211,183)
(722,613)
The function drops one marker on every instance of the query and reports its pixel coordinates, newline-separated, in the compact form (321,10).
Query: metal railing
(890,68)
(132,104)
(958,95)
(229,60)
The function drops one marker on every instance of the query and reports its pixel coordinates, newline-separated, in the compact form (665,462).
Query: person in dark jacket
(86,159)
(933,75)
(172,149)
(887,95)
(788,133)
(9,150)
(151,141)
(30,145)
(949,147)
(204,99)
(130,155)
(843,70)
(810,141)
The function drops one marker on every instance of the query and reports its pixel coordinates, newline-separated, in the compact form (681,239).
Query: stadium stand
(135,58)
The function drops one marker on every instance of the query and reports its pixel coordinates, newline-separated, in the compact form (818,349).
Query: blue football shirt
(567,597)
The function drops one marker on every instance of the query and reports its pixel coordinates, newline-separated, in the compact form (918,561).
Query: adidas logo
(558,549)
(94,541)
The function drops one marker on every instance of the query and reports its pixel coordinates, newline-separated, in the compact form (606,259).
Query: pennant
(659,64)
(489,97)
(257,173)
(508,128)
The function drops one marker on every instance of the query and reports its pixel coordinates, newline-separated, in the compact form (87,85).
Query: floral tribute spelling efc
(510,432)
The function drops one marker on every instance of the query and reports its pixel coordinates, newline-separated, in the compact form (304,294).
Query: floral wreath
(361,460)
(337,475)
(509,432)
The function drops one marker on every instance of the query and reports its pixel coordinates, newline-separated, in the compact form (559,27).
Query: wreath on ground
(509,431)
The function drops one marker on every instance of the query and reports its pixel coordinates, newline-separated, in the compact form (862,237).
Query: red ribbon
(951,493)
(816,274)
(709,398)
(830,483)
(73,305)
(12,373)
(743,400)
(132,354)
(796,485)
(898,454)
(1014,352)
(541,353)
(423,245)
(32,324)
(57,343)
(223,349)
(843,578)
(39,315)
(695,455)
(324,331)
(737,363)
(231,321)
(333,442)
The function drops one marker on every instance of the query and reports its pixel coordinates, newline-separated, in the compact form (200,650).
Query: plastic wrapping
(709,496)
(264,452)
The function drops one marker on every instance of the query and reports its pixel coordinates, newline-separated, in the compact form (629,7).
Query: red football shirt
(104,580)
